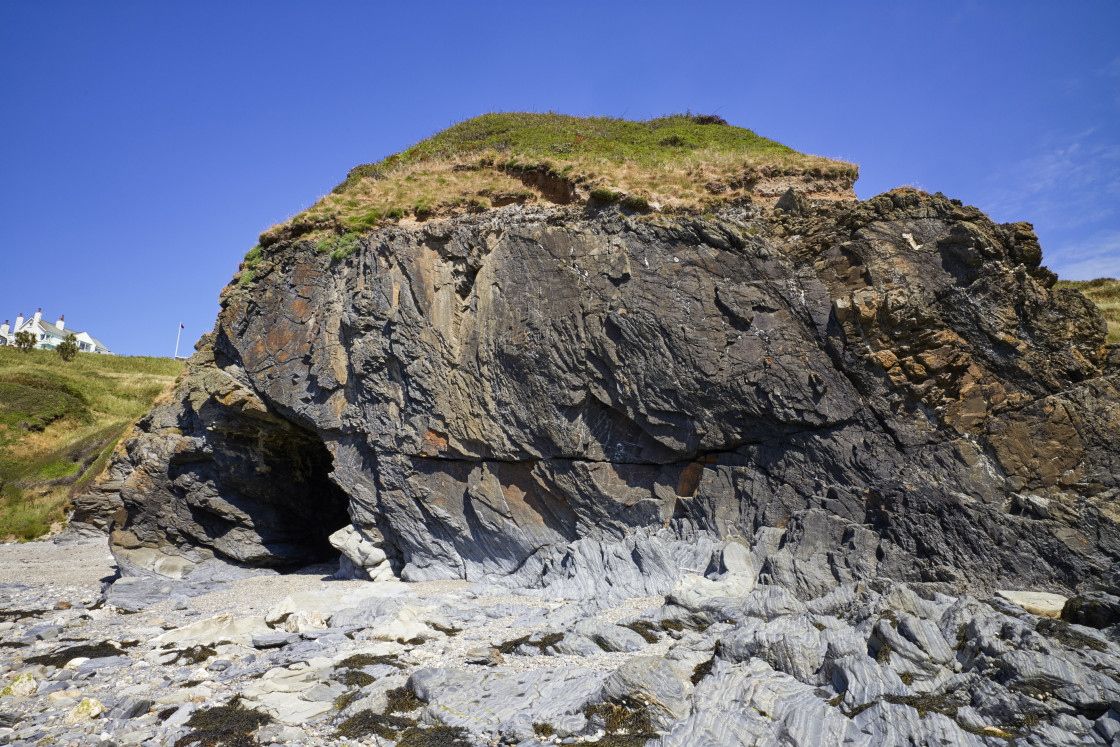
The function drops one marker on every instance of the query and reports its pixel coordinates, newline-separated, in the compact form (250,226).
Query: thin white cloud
(1098,256)
(1073,186)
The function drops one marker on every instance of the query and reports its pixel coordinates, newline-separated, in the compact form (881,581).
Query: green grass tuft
(339,247)
(635,202)
(605,195)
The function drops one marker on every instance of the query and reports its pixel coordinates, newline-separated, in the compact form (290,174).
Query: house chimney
(4,329)
(19,322)
(61,323)
(38,315)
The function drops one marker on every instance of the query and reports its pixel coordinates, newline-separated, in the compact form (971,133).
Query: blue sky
(145,145)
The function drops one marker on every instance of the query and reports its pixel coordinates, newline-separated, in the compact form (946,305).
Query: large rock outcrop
(586,398)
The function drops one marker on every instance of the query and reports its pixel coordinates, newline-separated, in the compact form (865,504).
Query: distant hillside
(58,424)
(1105,293)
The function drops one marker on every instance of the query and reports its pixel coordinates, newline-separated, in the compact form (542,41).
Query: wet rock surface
(868,663)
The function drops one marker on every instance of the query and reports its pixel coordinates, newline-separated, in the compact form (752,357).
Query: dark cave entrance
(261,494)
(311,506)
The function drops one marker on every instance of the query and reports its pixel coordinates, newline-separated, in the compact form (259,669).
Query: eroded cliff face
(585,399)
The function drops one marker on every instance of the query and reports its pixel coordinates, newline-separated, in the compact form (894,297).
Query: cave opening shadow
(265,498)
(311,506)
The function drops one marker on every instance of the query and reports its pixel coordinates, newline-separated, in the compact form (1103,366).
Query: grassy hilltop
(1105,293)
(682,162)
(676,163)
(59,423)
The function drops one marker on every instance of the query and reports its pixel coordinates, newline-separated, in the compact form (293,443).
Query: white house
(48,336)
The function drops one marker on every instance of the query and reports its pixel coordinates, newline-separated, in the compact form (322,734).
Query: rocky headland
(603,460)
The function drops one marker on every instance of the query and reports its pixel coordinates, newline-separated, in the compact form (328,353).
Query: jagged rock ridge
(582,397)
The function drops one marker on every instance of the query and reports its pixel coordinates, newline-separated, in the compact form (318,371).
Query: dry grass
(1105,293)
(679,163)
(416,190)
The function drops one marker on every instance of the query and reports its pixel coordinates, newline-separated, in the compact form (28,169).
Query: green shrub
(675,141)
(708,119)
(25,340)
(604,195)
(68,348)
(634,202)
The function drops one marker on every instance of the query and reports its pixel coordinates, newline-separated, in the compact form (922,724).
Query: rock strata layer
(597,402)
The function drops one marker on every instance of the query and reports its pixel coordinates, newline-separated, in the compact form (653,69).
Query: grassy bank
(1105,293)
(59,423)
(680,162)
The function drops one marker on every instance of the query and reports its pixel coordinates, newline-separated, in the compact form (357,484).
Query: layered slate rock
(723,661)
(589,399)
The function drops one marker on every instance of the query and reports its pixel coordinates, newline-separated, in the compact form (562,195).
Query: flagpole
(177,334)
